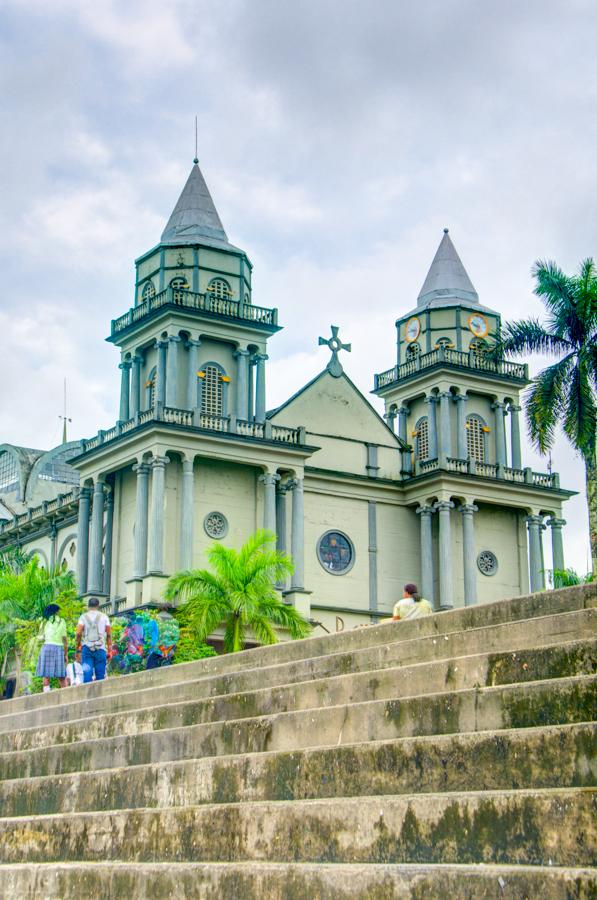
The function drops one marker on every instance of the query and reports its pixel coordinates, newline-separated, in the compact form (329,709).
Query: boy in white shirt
(74,671)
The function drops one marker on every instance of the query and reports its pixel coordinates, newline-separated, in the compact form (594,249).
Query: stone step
(563,660)
(525,608)
(512,636)
(552,756)
(553,702)
(294,881)
(544,827)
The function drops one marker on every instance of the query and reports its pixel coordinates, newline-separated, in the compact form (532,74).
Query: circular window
(335,553)
(216,525)
(487,562)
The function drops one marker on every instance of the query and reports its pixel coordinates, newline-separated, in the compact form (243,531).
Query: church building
(435,492)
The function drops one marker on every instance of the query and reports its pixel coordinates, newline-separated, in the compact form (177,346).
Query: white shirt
(74,673)
(102,624)
(407,608)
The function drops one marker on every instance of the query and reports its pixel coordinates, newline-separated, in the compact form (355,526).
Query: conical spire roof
(195,218)
(447,281)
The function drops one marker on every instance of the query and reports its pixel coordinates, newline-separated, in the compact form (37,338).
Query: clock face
(413,329)
(478,325)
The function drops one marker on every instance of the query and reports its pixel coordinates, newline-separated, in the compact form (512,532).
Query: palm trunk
(591,475)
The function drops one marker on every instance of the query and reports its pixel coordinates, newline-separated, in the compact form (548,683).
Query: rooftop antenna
(196,160)
(64,417)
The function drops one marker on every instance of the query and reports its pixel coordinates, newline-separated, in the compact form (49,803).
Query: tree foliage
(238,594)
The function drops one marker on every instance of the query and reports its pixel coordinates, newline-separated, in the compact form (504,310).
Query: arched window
(247,299)
(422,439)
(148,290)
(219,288)
(151,388)
(478,347)
(444,342)
(212,393)
(475,438)
(413,350)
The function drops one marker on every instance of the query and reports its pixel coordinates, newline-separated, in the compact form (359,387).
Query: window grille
(219,288)
(444,342)
(423,439)
(413,350)
(479,348)
(475,438)
(9,472)
(148,290)
(212,392)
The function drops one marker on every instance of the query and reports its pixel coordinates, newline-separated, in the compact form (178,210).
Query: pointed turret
(447,281)
(195,218)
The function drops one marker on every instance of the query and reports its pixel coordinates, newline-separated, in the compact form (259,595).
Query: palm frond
(545,402)
(551,284)
(529,336)
(580,419)
(262,629)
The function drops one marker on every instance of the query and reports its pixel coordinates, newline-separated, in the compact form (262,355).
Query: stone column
(298,535)
(142,504)
(83,539)
(269,509)
(402,433)
(390,418)
(425,512)
(160,393)
(432,422)
(445,400)
(515,436)
(281,524)
(192,393)
(108,542)
(534,524)
(469,553)
(172,371)
(135,404)
(125,370)
(446,574)
(500,433)
(187,514)
(155,565)
(242,384)
(461,442)
(53,546)
(557,546)
(260,388)
(251,416)
(95,582)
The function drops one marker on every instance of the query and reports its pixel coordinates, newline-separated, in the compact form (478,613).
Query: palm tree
(238,594)
(563,394)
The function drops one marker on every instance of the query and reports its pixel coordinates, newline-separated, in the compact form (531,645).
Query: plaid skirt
(50,662)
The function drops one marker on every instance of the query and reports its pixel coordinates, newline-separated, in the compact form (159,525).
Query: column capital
(260,357)
(269,478)
(556,523)
(448,395)
(534,520)
(238,353)
(141,468)
(498,404)
(125,364)
(159,344)
(159,462)
(425,510)
(443,505)
(187,465)
(404,410)
(98,487)
(431,398)
(193,342)
(85,492)
(467,509)
(461,398)
(512,407)
(174,337)
(110,497)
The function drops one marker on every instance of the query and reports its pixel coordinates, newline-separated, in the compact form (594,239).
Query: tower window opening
(444,342)
(422,438)
(219,288)
(148,290)
(212,399)
(413,350)
(478,348)
(475,438)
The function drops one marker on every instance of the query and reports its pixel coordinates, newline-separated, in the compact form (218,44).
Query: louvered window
(423,439)
(219,288)
(475,438)
(413,350)
(148,290)
(212,392)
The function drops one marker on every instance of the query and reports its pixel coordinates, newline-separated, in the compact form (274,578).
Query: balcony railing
(489,470)
(461,359)
(184,299)
(187,418)
(64,502)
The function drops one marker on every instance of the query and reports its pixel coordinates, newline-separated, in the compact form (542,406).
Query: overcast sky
(337,138)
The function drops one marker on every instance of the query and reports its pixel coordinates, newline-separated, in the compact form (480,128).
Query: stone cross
(334,366)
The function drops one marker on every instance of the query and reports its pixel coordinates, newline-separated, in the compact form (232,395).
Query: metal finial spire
(334,366)
(196,160)
(64,417)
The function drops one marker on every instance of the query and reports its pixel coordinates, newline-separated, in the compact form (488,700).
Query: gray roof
(447,281)
(195,218)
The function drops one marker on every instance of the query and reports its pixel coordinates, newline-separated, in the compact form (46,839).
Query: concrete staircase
(452,756)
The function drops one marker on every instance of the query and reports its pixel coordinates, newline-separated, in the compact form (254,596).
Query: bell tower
(193,340)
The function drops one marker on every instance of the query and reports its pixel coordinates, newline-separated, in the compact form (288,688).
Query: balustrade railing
(445,356)
(62,501)
(209,303)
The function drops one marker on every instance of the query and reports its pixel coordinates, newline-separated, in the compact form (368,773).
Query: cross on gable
(334,366)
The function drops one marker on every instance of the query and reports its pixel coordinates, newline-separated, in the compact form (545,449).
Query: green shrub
(189,648)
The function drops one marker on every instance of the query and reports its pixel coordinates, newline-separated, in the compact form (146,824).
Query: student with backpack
(95,634)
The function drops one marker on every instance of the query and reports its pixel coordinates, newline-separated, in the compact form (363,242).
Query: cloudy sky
(338,138)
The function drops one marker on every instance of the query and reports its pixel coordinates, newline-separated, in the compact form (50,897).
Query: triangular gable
(334,406)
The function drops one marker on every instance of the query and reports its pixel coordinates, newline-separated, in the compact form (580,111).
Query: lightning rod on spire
(64,417)
(196,160)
